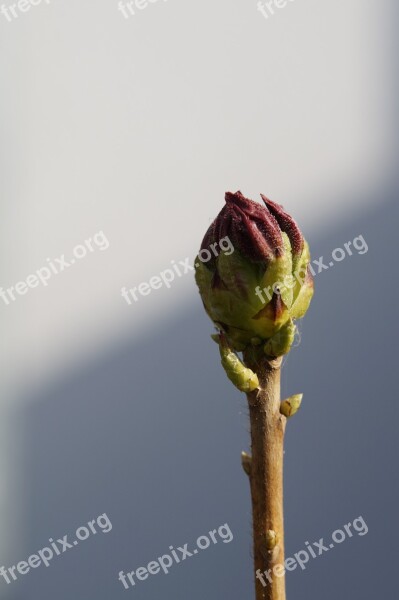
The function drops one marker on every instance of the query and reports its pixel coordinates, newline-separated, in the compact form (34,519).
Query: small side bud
(243,378)
(281,342)
(291,405)
(246,461)
(271,539)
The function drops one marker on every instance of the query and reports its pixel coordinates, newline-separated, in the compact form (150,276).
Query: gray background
(125,410)
(152,434)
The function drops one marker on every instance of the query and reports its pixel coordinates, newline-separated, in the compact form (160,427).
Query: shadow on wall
(151,434)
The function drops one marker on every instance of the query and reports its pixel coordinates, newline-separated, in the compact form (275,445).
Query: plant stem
(266,477)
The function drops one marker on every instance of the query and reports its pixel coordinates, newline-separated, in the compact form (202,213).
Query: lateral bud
(291,405)
(246,461)
(271,539)
(243,378)
(281,342)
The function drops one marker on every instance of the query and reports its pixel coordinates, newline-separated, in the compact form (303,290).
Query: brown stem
(266,478)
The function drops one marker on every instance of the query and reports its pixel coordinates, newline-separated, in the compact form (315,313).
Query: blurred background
(136,127)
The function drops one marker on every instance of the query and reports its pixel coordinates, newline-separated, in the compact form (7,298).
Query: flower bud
(257,291)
